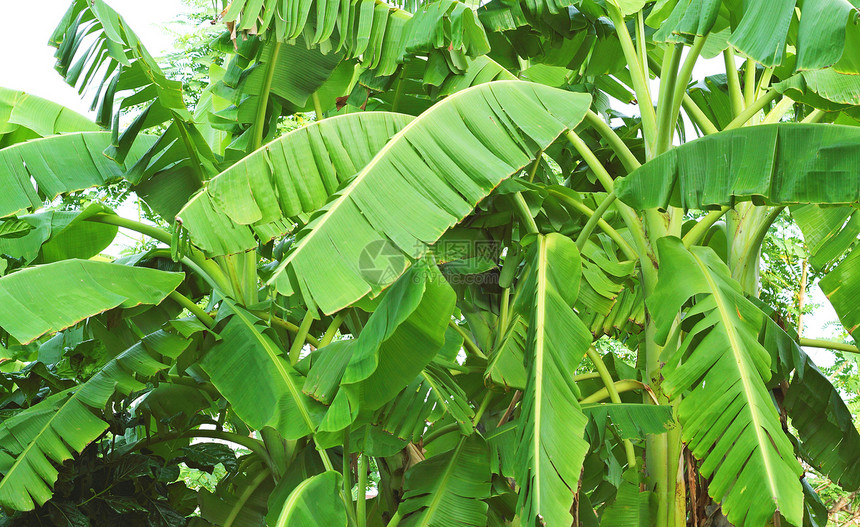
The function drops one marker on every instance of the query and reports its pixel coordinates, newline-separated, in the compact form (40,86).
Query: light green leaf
(294,174)
(58,164)
(274,397)
(778,164)
(727,417)
(551,446)
(51,297)
(313,503)
(842,287)
(24,116)
(448,488)
(424,181)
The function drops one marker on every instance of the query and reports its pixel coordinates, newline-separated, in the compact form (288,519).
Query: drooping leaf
(449,488)
(65,423)
(247,353)
(314,502)
(827,232)
(842,287)
(98,52)
(826,33)
(24,116)
(631,507)
(779,164)
(60,235)
(425,180)
(294,174)
(634,421)
(551,447)
(51,297)
(723,369)
(400,338)
(58,164)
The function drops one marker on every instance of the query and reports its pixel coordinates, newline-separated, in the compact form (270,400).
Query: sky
(27,64)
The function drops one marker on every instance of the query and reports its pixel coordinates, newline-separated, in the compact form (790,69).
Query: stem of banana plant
(616,143)
(624,385)
(637,74)
(603,371)
(485,402)
(814,116)
(826,344)
(735,94)
(749,112)
(504,306)
(586,231)
(346,469)
(779,110)
(318,111)
(665,98)
(535,166)
(193,308)
(361,499)
(299,340)
(263,103)
(627,214)
(749,82)
(468,343)
(331,331)
(525,214)
(698,116)
(758,237)
(764,81)
(398,91)
(679,90)
(605,227)
(163,236)
(698,230)
(287,325)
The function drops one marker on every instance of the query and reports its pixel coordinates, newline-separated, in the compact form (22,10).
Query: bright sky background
(27,63)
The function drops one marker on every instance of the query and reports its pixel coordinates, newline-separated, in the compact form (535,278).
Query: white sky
(27,63)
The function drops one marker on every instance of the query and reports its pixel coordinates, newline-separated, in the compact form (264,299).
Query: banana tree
(467,274)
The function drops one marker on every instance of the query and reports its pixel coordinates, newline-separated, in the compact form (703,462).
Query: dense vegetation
(419,248)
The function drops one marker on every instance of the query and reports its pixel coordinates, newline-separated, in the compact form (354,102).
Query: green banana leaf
(295,174)
(824,33)
(58,164)
(246,351)
(400,338)
(842,287)
(425,180)
(52,297)
(632,420)
(777,164)
(314,502)
(60,235)
(65,423)
(551,424)
(24,117)
(448,488)
(721,369)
